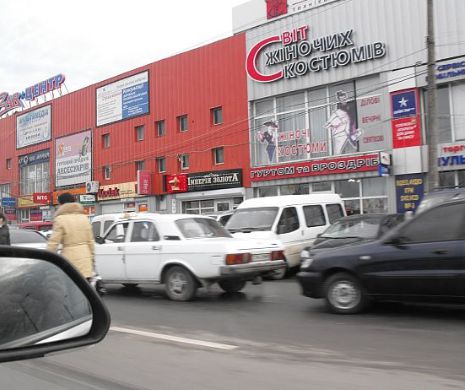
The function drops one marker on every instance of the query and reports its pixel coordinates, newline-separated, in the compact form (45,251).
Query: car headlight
(306,263)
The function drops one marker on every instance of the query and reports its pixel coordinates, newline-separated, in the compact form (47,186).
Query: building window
(8,163)
(106,140)
(161,164)
(182,123)
(160,125)
(184,160)
(140,165)
(140,133)
(107,172)
(217,115)
(35,178)
(218,155)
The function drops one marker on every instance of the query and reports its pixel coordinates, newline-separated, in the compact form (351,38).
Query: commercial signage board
(42,197)
(34,127)
(123,99)
(118,191)
(215,180)
(176,183)
(451,155)
(34,158)
(409,192)
(73,159)
(275,8)
(406,123)
(8,202)
(144,182)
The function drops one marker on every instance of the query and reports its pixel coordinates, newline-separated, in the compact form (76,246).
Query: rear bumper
(252,269)
(311,284)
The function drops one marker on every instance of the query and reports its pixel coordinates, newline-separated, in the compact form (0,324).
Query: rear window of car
(26,237)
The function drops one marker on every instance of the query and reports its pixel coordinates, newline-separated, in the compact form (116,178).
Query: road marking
(176,339)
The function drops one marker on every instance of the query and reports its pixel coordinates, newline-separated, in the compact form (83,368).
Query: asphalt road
(268,337)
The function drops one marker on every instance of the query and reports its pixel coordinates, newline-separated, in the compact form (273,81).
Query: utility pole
(431,106)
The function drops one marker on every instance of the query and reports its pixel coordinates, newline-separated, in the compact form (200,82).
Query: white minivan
(295,220)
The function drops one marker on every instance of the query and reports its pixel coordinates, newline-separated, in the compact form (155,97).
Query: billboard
(34,127)
(123,99)
(73,159)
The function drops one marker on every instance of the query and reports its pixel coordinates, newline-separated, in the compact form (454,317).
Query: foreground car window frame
(100,315)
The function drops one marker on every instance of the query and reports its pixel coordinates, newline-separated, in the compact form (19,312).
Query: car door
(109,256)
(289,233)
(143,252)
(426,257)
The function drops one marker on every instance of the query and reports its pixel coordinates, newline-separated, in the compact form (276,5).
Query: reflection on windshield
(201,228)
(358,228)
(252,219)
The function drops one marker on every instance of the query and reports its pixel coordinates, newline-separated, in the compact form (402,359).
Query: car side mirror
(99,240)
(396,240)
(46,305)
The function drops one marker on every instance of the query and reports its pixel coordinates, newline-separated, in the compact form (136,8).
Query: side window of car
(96,228)
(118,232)
(314,216)
(289,221)
(334,212)
(440,224)
(106,225)
(143,232)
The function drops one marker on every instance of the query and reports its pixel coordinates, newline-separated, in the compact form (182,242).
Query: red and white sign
(42,197)
(328,166)
(176,183)
(36,215)
(144,182)
(406,132)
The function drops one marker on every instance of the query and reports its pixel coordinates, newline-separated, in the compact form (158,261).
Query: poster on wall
(73,162)
(409,192)
(34,127)
(123,99)
(406,124)
(374,122)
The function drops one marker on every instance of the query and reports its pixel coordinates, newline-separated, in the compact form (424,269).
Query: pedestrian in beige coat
(72,229)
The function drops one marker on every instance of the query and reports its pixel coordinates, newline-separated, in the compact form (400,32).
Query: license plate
(261,257)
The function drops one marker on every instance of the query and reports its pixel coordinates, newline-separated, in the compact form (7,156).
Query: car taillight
(277,255)
(238,258)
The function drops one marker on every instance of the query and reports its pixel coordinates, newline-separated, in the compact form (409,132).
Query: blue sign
(135,100)
(34,158)
(383,170)
(404,104)
(8,202)
(409,192)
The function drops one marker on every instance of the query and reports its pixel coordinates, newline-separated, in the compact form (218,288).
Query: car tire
(232,285)
(180,284)
(277,274)
(344,294)
(130,285)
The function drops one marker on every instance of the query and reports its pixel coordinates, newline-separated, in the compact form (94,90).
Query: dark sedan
(420,260)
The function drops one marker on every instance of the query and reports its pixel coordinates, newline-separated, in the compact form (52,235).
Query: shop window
(161,164)
(217,115)
(314,216)
(264,107)
(184,161)
(237,201)
(182,123)
(222,206)
(140,130)
(461,178)
(352,206)
(375,205)
(267,191)
(292,102)
(458,99)
(160,126)
(199,206)
(444,119)
(447,179)
(106,140)
(348,188)
(218,155)
(322,187)
(107,172)
(8,163)
(294,189)
(375,186)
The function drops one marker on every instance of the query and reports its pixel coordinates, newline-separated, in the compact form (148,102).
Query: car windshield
(353,228)
(201,228)
(260,218)
(24,236)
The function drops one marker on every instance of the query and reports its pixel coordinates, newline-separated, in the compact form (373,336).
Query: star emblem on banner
(403,102)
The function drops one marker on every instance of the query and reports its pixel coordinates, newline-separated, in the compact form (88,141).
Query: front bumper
(311,284)
(252,269)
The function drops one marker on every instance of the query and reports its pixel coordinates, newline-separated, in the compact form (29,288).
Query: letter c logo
(251,62)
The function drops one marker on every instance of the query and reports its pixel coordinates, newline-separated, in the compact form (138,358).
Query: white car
(184,252)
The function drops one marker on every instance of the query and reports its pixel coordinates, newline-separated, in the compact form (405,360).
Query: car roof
(160,217)
(289,200)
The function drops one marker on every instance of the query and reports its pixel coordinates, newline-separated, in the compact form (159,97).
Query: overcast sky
(91,40)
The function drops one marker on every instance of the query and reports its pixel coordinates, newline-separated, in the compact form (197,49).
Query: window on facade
(140,130)
(107,172)
(140,165)
(106,140)
(217,115)
(182,123)
(458,99)
(199,206)
(294,189)
(447,179)
(35,178)
(184,161)
(267,191)
(314,216)
(443,107)
(322,186)
(161,164)
(218,155)
(5,190)
(8,163)
(160,126)
(348,188)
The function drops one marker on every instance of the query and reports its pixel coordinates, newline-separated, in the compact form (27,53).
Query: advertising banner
(9,202)
(73,162)
(144,182)
(409,192)
(217,180)
(34,127)
(176,183)
(36,215)
(373,122)
(42,197)
(123,99)
(451,156)
(34,158)
(10,214)
(117,191)
(328,166)
(406,123)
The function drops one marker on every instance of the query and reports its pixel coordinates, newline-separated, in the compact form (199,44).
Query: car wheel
(180,285)
(130,285)
(232,285)
(277,274)
(344,294)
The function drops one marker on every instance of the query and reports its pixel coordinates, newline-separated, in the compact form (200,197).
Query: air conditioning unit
(92,187)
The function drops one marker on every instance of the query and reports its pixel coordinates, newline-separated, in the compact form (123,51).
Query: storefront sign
(143,207)
(330,166)
(25,202)
(8,202)
(35,215)
(34,127)
(10,214)
(294,53)
(117,191)
(144,182)
(42,197)
(451,155)
(275,8)
(89,210)
(404,104)
(409,192)
(451,70)
(87,199)
(123,99)
(216,180)
(176,183)
(14,101)
(372,123)
(73,161)
(34,158)
(406,123)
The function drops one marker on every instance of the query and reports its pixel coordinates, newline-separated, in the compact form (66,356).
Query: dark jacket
(4,235)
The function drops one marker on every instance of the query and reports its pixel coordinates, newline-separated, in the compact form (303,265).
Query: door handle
(156,247)
(440,251)
(120,248)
